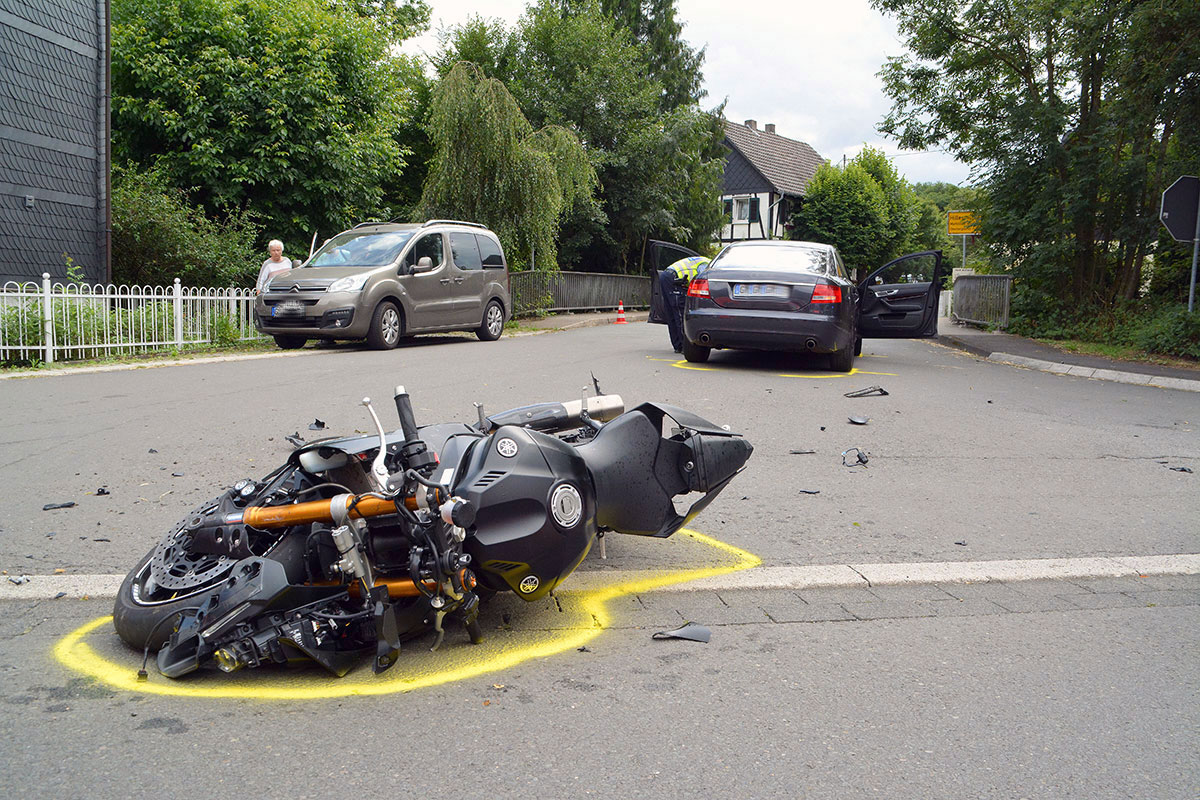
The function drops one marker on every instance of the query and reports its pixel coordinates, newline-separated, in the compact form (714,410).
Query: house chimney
(770,127)
(752,124)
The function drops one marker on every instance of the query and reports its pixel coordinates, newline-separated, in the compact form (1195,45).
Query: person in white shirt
(272,266)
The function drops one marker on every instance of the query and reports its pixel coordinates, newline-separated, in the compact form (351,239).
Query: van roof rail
(453,222)
(369,222)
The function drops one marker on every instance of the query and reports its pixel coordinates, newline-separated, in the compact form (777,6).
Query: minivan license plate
(288,308)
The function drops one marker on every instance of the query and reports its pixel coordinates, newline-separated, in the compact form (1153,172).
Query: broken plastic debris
(60,595)
(18,580)
(810,491)
(295,439)
(690,630)
(583,649)
(867,392)
(860,459)
(961,544)
(858,420)
(176,474)
(52,506)
(1180,469)
(801,452)
(102,491)
(151,450)
(316,425)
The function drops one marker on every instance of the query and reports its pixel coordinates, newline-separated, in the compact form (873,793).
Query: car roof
(382,227)
(782,243)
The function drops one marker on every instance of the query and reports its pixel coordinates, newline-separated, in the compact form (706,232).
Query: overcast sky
(809,67)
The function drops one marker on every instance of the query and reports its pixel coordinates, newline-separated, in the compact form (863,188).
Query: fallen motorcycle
(357,543)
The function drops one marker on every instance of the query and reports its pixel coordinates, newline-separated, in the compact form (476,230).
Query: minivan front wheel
(386,327)
(290,342)
(493,323)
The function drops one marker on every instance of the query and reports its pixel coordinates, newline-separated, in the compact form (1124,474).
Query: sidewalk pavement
(1009,349)
(586,319)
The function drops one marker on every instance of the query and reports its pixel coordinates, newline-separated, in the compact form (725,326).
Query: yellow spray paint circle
(684,364)
(415,670)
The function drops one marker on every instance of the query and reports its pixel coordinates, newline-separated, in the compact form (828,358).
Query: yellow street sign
(962,223)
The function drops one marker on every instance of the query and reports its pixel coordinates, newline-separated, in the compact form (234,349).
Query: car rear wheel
(695,353)
(858,346)
(493,323)
(290,342)
(842,360)
(386,327)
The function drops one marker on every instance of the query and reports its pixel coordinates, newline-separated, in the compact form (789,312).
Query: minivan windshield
(792,258)
(361,249)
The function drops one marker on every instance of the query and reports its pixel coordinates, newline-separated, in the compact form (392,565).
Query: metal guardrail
(56,322)
(541,292)
(982,299)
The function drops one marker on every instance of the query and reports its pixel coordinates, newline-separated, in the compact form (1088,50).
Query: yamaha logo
(506,447)
(529,585)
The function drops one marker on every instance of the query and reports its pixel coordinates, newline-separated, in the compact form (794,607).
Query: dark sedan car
(799,296)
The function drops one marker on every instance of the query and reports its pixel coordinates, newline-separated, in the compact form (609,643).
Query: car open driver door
(900,299)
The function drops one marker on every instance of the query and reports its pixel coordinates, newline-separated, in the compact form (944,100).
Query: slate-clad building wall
(54,159)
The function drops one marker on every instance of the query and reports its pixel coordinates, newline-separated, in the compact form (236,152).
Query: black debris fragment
(822,427)
(60,595)
(316,425)
(690,631)
(101,540)
(152,450)
(51,534)
(295,439)
(801,452)
(1180,469)
(52,506)
(860,459)
(102,491)
(810,491)
(18,580)
(867,392)
(989,402)
(583,649)
(176,474)
(858,420)
(961,544)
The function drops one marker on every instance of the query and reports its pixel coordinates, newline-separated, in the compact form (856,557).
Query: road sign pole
(1195,251)
(964,238)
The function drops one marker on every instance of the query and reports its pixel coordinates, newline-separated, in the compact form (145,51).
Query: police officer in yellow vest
(673,282)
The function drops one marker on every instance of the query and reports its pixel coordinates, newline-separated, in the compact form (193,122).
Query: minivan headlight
(352,283)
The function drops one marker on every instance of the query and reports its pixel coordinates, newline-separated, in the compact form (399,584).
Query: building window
(741,209)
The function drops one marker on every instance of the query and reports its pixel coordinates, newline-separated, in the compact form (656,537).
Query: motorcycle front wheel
(143,609)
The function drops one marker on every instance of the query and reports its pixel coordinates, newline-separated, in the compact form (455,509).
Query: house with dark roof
(765,176)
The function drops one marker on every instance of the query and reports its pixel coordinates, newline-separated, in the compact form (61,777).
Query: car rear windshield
(784,258)
(360,249)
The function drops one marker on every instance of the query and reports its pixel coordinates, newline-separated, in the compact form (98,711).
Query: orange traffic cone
(620,320)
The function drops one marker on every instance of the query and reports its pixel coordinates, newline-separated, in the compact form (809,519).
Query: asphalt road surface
(1085,688)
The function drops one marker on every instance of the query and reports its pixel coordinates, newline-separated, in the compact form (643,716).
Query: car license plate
(288,308)
(759,290)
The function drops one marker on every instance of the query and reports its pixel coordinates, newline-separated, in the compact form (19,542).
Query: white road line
(42,587)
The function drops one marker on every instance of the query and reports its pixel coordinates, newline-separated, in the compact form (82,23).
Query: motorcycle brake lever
(379,472)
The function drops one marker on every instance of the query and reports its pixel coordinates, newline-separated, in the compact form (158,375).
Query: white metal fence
(542,292)
(64,322)
(982,299)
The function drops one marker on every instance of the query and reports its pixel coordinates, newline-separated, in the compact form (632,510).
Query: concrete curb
(170,362)
(1096,373)
(823,576)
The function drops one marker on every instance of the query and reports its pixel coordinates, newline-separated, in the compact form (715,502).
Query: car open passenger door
(900,299)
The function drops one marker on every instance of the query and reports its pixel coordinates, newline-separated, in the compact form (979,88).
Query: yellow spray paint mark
(434,669)
(683,364)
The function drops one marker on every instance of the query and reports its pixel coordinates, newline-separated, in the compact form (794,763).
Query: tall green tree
(1077,113)
(489,165)
(848,209)
(287,109)
(670,60)
(572,64)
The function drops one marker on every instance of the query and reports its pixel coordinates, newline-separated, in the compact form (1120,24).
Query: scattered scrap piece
(18,580)
(52,506)
(102,491)
(961,544)
(583,649)
(60,595)
(176,474)
(152,450)
(858,420)
(1180,469)
(801,452)
(860,459)
(690,631)
(295,439)
(867,392)
(810,491)
(316,425)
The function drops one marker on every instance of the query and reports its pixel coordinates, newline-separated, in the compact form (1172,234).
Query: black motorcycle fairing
(638,473)
(510,477)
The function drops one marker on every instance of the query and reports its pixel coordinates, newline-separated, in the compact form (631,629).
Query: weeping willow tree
(490,166)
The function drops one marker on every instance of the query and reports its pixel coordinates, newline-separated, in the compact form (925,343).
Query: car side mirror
(295,263)
(424,264)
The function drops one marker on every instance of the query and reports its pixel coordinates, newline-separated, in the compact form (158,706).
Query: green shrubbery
(158,236)
(1155,328)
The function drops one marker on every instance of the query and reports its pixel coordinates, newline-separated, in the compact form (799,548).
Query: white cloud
(809,67)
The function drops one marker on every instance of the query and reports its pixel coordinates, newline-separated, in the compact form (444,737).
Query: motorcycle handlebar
(408,423)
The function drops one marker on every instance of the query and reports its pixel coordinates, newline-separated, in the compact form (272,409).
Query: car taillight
(825,293)
(698,288)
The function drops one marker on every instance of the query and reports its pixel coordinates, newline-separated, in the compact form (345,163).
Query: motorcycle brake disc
(174,568)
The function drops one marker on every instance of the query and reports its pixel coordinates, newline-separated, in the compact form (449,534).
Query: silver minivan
(383,281)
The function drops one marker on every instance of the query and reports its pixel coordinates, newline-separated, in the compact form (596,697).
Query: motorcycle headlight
(352,283)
